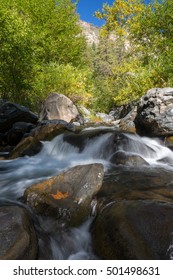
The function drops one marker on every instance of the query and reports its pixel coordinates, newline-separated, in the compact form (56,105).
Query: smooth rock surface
(68,196)
(17,236)
(130,230)
(134,215)
(58,107)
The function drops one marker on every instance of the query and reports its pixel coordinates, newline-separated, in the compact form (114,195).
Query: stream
(92,145)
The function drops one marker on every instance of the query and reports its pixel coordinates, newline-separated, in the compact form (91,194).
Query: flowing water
(61,154)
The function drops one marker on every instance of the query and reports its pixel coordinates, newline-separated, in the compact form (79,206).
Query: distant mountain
(90,31)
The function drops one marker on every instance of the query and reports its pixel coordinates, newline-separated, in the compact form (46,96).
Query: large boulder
(134,215)
(134,230)
(58,107)
(155,113)
(11,113)
(17,236)
(68,196)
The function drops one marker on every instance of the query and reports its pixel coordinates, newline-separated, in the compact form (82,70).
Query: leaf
(59,195)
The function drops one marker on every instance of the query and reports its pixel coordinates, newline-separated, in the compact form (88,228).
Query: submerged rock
(68,196)
(17,236)
(155,113)
(127,159)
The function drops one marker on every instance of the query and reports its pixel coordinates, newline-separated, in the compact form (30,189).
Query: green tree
(147,61)
(34,34)
(16,55)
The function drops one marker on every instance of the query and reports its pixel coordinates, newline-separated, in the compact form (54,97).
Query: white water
(55,157)
(152,150)
(58,155)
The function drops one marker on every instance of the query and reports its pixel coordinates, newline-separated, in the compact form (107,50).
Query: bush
(66,79)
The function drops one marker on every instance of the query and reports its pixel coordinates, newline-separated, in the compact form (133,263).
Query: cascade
(59,155)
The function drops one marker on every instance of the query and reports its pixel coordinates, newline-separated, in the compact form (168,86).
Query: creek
(92,145)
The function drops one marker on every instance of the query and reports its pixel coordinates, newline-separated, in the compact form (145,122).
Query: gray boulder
(17,236)
(155,113)
(68,196)
(58,107)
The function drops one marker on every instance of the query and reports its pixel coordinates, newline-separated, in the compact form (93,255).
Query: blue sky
(86,9)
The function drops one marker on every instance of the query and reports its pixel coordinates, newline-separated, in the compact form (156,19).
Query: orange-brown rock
(68,196)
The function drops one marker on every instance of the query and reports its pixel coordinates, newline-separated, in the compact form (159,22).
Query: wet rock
(45,130)
(17,236)
(155,113)
(127,159)
(58,107)
(131,204)
(11,113)
(131,230)
(68,196)
(138,184)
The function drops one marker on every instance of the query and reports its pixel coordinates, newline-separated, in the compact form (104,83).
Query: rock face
(90,32)
(155,113)
(11,113)
(59,107)
(67,196)
(17,236)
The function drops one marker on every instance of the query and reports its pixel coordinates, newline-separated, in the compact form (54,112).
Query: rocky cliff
(90,31)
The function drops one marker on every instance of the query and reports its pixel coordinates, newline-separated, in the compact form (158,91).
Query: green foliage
(147,61)
(16,55)
(66,79)
(42,50)
(105,58)
(33,36)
